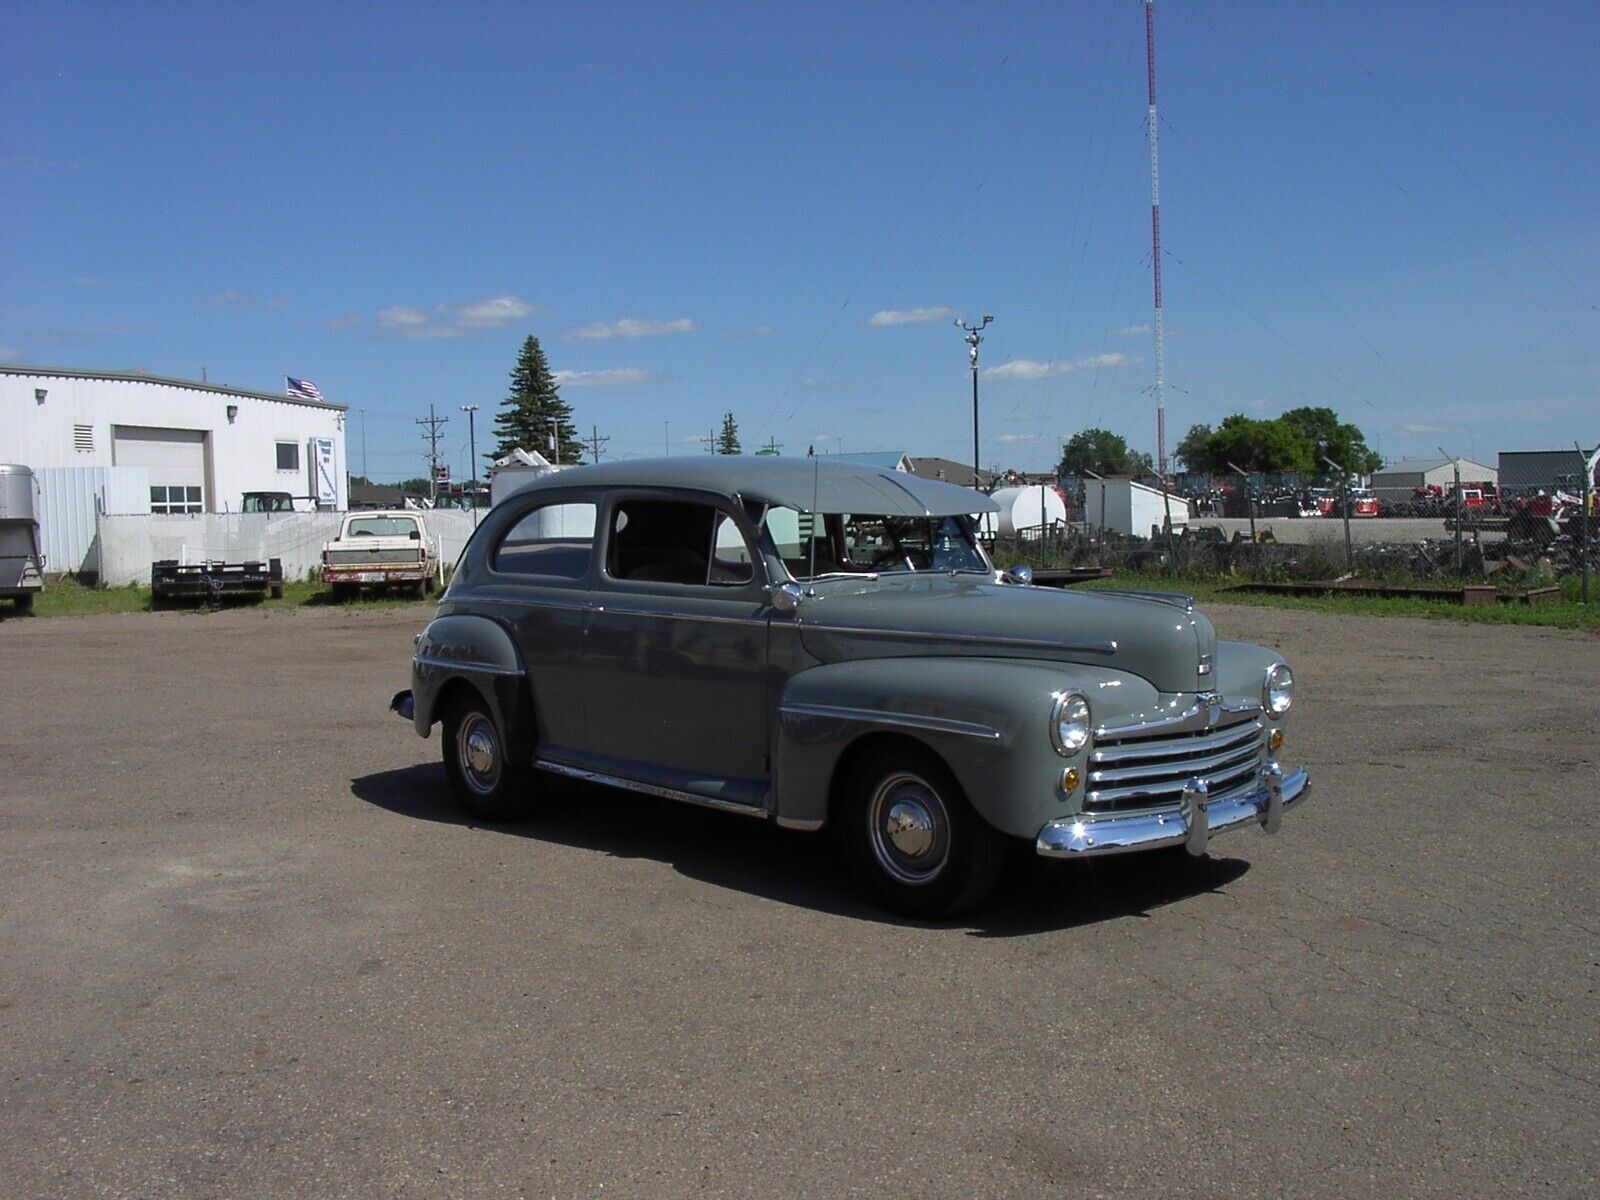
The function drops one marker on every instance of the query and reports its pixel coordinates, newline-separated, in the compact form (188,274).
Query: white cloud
(276,303)
(234,299)
(453,320)
(736,335)
(1010,438)
(611,377)
(1027,368)
(1423,428)
(8,354)
(348,321)
(1128,331)
(632,327)
(909,316)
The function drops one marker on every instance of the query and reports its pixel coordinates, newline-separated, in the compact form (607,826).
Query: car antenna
(816,469)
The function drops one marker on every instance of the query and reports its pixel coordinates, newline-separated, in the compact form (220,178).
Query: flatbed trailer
(214,580)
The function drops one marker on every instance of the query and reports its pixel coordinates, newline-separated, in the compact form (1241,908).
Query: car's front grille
(1150,772)
(375,558)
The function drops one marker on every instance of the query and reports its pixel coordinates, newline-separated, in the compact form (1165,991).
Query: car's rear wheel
(483,779)
(913,839)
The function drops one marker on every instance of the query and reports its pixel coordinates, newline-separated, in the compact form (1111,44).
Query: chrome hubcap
(478,753)
(908,828)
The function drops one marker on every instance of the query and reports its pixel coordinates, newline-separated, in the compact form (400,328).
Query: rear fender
(480,652)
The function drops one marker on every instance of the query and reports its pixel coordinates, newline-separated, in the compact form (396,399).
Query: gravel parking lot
(248,952)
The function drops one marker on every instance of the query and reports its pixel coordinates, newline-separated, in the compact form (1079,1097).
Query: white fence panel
(129,544)
(70,502)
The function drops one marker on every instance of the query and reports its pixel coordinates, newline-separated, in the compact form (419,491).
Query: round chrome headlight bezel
(1277,691)
(1070,723)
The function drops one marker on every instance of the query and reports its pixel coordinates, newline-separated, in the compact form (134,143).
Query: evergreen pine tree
(728,440)
(534,410)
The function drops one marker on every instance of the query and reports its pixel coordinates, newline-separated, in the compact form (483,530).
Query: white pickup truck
(382,549)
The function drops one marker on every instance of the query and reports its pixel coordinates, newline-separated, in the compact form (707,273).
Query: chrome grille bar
(1154,771)
(1223,739)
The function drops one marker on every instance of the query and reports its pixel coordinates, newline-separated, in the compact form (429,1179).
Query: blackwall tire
(484,781)
(914,841)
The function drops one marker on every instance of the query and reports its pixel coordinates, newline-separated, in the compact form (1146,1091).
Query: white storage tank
(1023,510)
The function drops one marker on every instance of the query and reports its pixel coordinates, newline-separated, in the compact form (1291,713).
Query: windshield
(844,544)
(380,527)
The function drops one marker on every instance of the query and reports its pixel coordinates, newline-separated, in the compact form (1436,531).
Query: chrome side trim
(465,664)
(1176,599)
(1192,823)
(1209,711)
(615,610)
(1106,646)
(901,720)
(520,601)
(649,789)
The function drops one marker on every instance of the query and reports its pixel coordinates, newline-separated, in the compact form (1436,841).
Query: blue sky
(778,210)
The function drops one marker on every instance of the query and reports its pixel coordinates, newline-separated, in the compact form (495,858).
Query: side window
(675,541)
(555,540)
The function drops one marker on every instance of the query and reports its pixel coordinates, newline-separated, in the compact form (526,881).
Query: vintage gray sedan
(822,644)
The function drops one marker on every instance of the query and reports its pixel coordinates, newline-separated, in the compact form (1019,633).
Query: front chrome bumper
(1192,824)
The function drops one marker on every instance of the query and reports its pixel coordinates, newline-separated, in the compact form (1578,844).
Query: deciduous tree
(1104,453)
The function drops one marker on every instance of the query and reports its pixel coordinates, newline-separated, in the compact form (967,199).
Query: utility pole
(973,339)
(770,450)
(710,441)
(596,441)
(1587,525)
(1250,493)
(472,448)
(364,474)
(432,424)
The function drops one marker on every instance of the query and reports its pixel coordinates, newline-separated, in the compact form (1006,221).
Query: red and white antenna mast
(1155,236)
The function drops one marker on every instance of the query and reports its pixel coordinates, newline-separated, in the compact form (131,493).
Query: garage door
(176,460)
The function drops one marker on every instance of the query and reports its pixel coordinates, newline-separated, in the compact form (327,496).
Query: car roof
(807,484)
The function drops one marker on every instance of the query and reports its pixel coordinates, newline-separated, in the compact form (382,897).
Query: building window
(175,500)
(83,438)
(288,456)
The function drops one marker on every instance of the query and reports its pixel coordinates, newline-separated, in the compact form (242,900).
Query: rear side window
(553,540)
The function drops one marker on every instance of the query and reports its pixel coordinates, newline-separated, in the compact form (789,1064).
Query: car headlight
(1278,692)
(1069,723)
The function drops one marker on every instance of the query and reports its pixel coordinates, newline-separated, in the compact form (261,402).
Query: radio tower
(1155,237)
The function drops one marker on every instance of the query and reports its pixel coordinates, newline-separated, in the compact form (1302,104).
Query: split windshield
(846,544)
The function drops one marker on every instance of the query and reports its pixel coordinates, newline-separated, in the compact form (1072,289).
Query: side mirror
(784,597)
(1021,573)
(415,535)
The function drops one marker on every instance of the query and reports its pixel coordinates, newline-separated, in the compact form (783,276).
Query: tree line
(1304,440)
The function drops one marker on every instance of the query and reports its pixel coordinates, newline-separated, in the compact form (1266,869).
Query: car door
(677,690)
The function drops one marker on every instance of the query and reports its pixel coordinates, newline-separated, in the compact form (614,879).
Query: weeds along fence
(128,544)
(1315,550)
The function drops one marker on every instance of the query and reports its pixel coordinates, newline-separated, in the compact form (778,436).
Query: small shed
(1126,507)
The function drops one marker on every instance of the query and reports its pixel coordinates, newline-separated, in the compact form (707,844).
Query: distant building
(959,474)
(172,445)
(1400,481)
(1524,471)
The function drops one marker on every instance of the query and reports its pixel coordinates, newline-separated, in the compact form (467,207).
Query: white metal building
(191,447)
(1399,481)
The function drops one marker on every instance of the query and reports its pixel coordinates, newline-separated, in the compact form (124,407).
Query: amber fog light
(1275,742)
(1069,779)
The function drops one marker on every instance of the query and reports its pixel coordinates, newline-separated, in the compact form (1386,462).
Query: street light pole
(472,445)
(973,339)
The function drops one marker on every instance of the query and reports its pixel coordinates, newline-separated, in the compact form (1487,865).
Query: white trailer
(1126,507)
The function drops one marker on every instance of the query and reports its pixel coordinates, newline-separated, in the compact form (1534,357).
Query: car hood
(1159,640)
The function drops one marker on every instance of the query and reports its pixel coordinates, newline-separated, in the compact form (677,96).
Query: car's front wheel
(914,840)
(483,779)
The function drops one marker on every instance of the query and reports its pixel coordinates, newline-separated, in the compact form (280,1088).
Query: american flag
(303,388)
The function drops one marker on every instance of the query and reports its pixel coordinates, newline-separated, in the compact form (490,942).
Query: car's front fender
(987,719)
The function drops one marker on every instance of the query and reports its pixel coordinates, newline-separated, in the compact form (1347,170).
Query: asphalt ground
(248,951)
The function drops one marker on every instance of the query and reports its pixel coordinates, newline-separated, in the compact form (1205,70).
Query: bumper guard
(1191,824)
